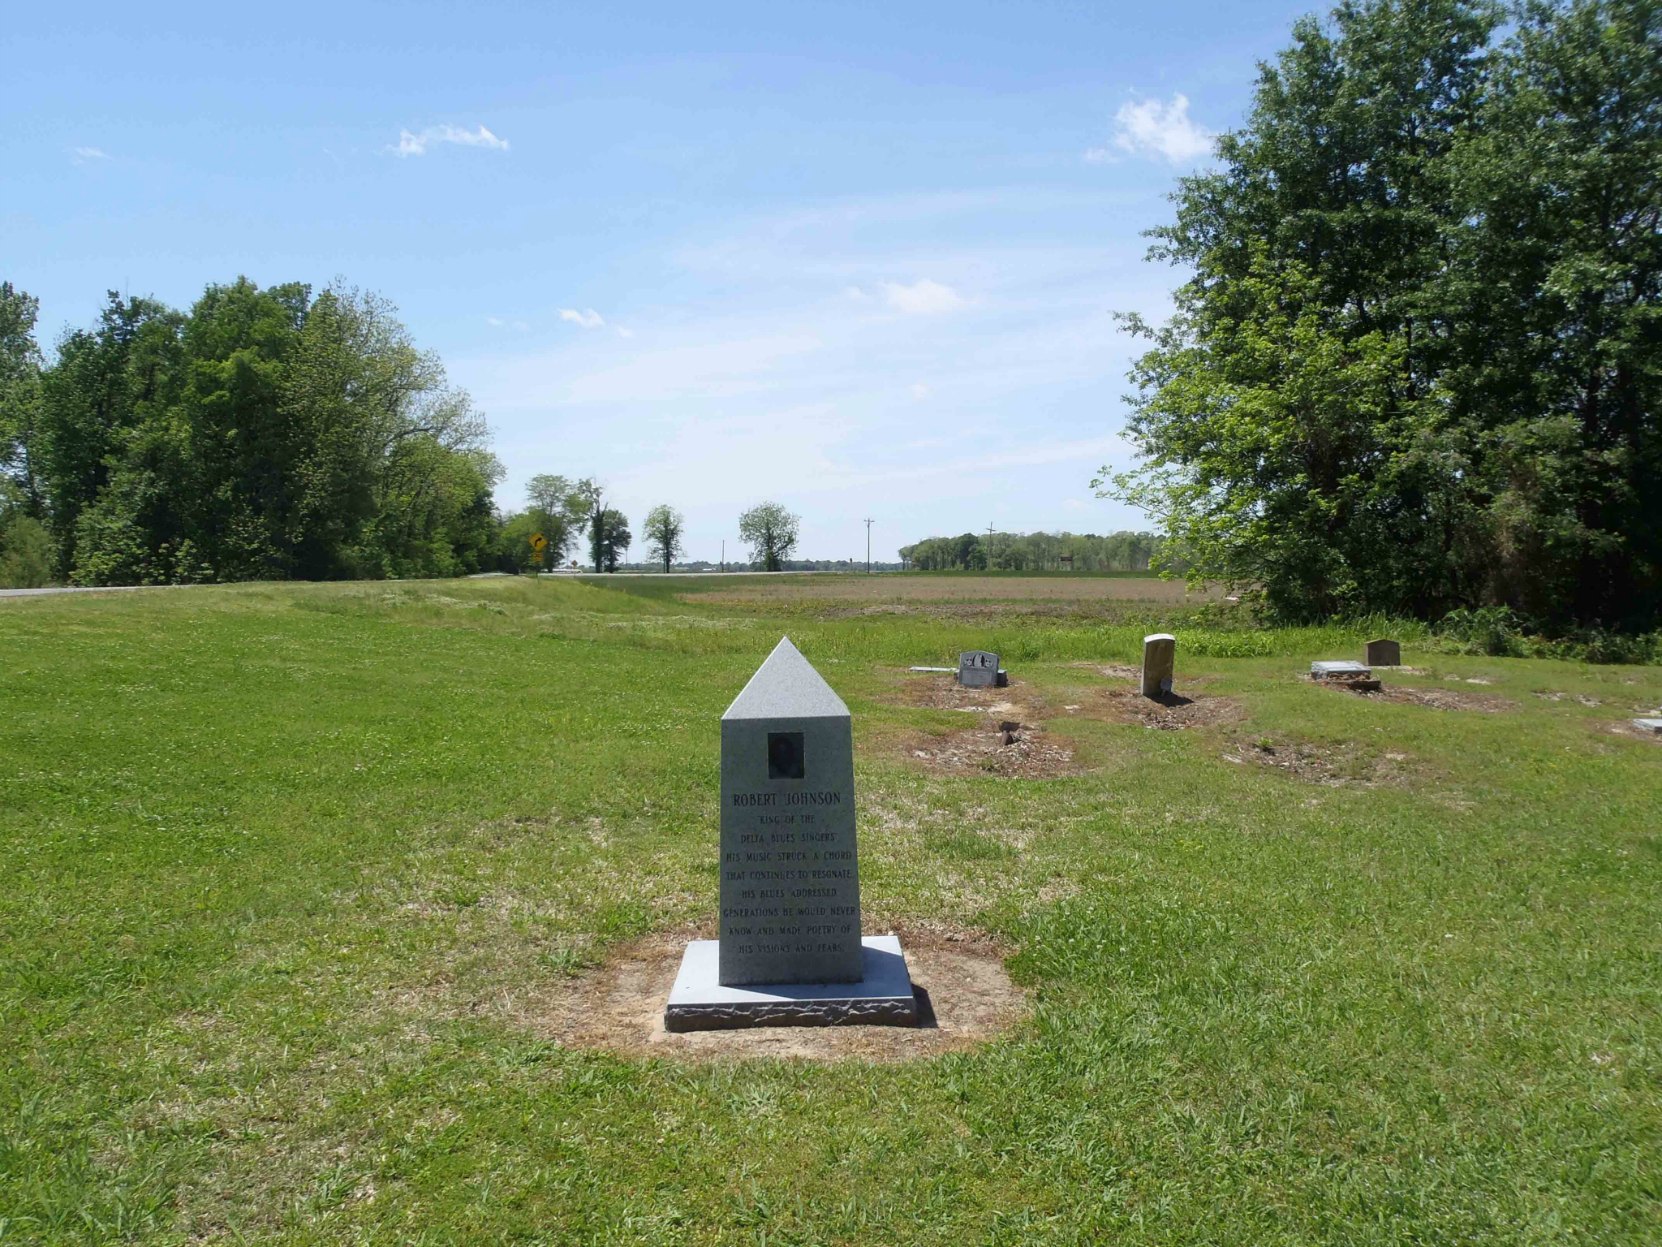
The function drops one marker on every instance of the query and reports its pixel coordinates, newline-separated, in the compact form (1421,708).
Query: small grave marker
(1649,725)
(1159,664)
(1383,653)
(978,668)
(791,951)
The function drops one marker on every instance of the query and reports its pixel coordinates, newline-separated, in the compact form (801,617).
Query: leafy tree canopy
(771,533)
(1418,363)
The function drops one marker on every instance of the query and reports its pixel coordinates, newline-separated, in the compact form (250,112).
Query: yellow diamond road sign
(538,541)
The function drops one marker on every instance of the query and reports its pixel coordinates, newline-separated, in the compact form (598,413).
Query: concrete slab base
(883,997)
(1339,671)
(1649,725)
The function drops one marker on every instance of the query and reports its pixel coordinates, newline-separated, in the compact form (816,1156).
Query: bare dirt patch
(934,691)
(1547,694)
(1626,728)
(1331,765)
(1436,698)
(1171,712)
(1007,748)
(964,993)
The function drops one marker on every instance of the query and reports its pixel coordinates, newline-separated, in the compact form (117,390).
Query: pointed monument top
(786,686)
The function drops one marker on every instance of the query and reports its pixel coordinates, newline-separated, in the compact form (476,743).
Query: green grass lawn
(273,856)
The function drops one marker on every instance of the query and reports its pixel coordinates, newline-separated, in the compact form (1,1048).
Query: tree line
(1418,365)
(276,433)
(562,516)
(1018,552)
(264,434)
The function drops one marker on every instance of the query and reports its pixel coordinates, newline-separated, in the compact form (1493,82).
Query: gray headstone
(1338,670)
(977,668)
(1159,664)
(790,882)
(1384,653)
(1648,725)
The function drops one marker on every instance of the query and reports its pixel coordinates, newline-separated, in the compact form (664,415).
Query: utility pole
(989,547)
(868,547)
(724,554)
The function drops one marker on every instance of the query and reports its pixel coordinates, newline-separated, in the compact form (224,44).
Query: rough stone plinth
(882,996)
(1383,653)
(1159,664)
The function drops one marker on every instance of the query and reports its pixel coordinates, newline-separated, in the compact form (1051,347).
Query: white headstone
(1159,664)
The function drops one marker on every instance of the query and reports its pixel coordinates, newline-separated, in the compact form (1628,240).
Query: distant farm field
(950,588)
(335,913)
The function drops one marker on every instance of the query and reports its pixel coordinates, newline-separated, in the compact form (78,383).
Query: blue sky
(860,259)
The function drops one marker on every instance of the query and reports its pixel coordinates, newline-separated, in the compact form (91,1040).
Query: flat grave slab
(881,997)
(1649,725)
(1339,670)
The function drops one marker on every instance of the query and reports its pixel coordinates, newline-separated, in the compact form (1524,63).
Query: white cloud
(918,390)
(1152,128)
(586,319)
(497,322)
(624,333)
(922,298)
(85,155)
(417,144)
(1098,156)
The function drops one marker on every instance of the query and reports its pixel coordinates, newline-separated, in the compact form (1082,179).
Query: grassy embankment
(277,859)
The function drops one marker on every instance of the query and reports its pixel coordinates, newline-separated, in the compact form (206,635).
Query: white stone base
(883,997)
(1648,725)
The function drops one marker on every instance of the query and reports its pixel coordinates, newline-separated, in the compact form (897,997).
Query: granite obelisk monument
(791,952)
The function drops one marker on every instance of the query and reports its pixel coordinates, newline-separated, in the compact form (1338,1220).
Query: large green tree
(559,512)
(1553,303)
(266,433)
(20,366)
(771,533)
(1415,364)
(664,526)
(1286,414)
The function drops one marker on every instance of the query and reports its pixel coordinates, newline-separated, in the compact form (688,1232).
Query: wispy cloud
(416,144)
(1154,128)
(498,322)
(586,319)
(918,390)
(86,155)
(922,298)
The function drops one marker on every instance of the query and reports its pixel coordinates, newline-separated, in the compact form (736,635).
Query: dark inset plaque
(785,755)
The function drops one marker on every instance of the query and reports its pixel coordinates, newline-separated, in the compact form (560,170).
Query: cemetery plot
(1167,714)
(966,998)
(1333,765)
(1436,698)
(1006,748)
